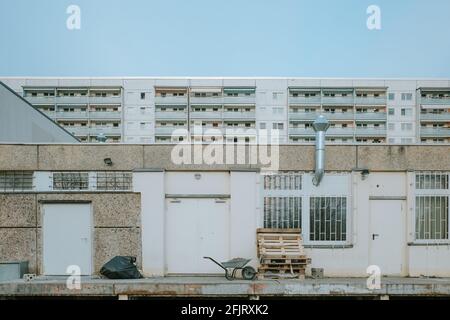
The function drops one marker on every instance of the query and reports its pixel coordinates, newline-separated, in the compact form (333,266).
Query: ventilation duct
(320,126)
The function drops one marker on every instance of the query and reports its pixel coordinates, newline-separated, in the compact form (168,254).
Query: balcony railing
(213,115)
(313,115)
(303,115)
(171,100)
(372,101)
(167,131)
(371,132)
(171,115)
(338,101)
(244,115)
(78,131)
(72,100)
(104,115)
(71,115)
(378,116)
(304,100)
(445,116)
(106,100)
(435,132)
(435,101)
(106,130)
(206,100)
(239,100)
(41,100)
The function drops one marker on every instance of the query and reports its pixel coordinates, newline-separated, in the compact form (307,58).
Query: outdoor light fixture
(108,161)
(364,173)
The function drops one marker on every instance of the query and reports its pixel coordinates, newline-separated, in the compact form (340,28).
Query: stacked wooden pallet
(281,253)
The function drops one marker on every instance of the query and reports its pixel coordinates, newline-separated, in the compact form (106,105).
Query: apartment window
(406,96)
(262,125)
(142,95)
(328,218)
(277,126)
(391,111)
(406,126)
(391,96)
(282,212)
(113,181)
(70,181)
(406,111)
(391,126)
(16,180)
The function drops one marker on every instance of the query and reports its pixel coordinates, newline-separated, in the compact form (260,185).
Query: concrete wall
(116,225)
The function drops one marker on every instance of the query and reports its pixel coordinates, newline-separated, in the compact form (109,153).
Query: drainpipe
(320,126)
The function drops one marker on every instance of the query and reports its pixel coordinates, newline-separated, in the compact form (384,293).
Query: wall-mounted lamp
(108,161)
(364,173)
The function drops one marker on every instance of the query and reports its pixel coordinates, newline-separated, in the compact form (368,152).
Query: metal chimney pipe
(320,126)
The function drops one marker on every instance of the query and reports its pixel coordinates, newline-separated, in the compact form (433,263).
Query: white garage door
(67,238)
(196,228)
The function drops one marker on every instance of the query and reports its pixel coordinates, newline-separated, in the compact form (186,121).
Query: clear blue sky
(305,38)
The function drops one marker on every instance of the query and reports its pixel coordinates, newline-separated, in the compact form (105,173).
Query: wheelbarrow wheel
(248,273)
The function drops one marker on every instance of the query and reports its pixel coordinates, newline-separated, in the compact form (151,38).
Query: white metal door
(196,228)
(387,235)
(67,238)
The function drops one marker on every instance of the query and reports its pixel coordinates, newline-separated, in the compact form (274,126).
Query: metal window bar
(432,180)
(283,181)
(114,181)
(432,217)
(282,212)
(16,181)
(328,218)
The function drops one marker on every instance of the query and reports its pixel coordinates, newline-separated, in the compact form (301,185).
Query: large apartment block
(167,110)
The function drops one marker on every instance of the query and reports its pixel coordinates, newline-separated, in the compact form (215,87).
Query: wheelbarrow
(231,266)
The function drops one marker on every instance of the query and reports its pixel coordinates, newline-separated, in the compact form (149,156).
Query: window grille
(283,181)
(432,217)
(16,180)
(114,181)
(432,180)
(70,181)
(282,212)
(328,217)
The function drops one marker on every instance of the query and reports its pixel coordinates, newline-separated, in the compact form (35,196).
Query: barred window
(70,181)
(16,180)
(432,217)
(114,181)
(282,212)
(432,180)
(283,181)
(328,217)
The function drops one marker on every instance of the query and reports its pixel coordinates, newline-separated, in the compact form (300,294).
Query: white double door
(196,228)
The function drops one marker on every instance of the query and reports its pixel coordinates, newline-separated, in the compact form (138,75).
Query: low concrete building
(21,122)
(379,205)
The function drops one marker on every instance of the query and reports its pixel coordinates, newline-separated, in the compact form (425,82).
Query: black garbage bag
(121,267)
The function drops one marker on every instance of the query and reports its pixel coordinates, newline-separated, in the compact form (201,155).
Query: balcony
(304,100)
(244,115)
(105,115)
(71,115)
(206,100)
(72,100)
(371,116)
(239,99)
(208,131)
(370,132)
(171,115)
(340,132)
(431,117)
(339,115)
(435,132)
(371,101)
(301,131)
(107,131)
(117,100)
(78,131)
(200,115)
(40,100)
(435,102)
(168,131)
(303,116)
(348,101)
(171,100)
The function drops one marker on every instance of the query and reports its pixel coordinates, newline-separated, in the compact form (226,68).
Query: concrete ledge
(219,287)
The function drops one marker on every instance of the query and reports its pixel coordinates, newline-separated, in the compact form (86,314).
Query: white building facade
(149,110)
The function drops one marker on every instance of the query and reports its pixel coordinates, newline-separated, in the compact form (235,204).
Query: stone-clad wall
(116,225)
(292,157)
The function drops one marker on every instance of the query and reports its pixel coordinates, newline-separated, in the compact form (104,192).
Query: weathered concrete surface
(89,157)
(219,287)
(18,157)
(18,244)
(17,210)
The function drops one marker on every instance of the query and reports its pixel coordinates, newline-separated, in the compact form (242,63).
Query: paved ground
(219,287)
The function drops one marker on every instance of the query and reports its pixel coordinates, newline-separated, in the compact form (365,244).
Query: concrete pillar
(150,184)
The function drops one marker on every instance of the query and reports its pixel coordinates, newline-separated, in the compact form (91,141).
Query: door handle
(374,235)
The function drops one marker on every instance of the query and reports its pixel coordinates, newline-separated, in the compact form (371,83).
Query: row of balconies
(205,100)
(203,115)
(376,116)
(435,101)
(60,115)
(434,132)
(317,100)
(445,116)
(341,132)
(74,100)
(83,131)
